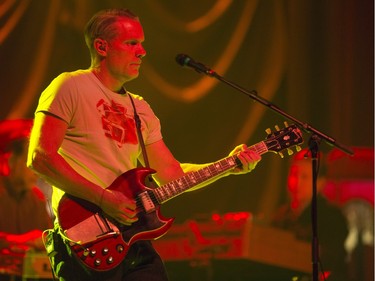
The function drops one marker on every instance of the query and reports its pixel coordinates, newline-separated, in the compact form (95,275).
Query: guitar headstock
(277,141)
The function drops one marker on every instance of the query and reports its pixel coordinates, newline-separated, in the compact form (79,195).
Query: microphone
(185,60)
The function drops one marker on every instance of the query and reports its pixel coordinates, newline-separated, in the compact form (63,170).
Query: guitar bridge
(90,229)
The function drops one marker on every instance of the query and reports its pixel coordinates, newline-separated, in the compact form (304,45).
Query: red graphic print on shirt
(115,123)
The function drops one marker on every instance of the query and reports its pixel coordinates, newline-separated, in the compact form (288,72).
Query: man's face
(125,50)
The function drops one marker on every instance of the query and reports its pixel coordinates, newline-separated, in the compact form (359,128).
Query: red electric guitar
(101,243)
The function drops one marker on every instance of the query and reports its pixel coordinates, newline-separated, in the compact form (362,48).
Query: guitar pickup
(147,203)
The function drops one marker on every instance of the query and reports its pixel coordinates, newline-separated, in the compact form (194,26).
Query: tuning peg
(298,148)
(277,128)
(281,154)
(268,131)
(286,124)
(290,152)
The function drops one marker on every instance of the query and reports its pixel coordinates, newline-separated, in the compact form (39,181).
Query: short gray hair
(101,25)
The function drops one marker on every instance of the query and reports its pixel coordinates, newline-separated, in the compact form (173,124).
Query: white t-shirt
(101,140)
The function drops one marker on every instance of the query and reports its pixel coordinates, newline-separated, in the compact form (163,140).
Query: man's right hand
(119,207)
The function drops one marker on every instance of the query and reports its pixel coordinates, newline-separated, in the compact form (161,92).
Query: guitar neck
(191,179)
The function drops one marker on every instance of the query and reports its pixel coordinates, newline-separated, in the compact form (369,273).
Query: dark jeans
(141,263)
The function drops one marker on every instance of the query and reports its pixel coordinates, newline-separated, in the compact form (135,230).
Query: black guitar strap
(140,137)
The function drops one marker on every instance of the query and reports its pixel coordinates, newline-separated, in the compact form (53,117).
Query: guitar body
(101,243)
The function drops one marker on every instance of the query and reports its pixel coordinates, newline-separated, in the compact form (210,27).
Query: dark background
(313,59)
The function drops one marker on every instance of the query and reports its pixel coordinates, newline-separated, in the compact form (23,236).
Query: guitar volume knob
(120,248)
(105,251)
(97,262)
(110,260)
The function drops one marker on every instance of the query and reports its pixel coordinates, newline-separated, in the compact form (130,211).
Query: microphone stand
(314,141)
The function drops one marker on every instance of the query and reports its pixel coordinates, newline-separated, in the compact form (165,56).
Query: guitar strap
(140,137)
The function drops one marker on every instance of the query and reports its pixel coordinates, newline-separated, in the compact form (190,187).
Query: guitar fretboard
(191,179)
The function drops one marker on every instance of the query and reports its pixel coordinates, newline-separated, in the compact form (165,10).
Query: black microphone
(185,60)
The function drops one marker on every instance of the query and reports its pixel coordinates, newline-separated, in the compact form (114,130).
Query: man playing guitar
(84,137)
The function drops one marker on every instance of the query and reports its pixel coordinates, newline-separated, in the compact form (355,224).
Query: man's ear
(100,46)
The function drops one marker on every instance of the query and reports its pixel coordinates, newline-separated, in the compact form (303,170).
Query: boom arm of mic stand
(306,127)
